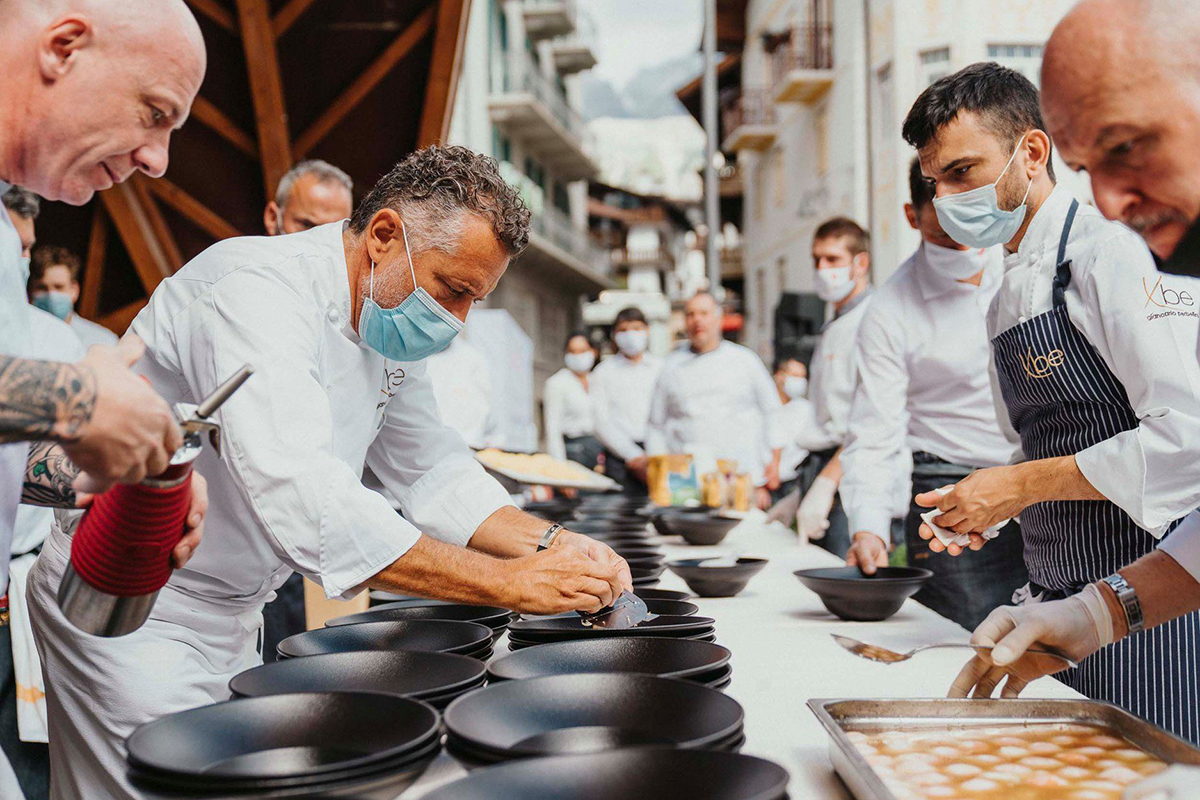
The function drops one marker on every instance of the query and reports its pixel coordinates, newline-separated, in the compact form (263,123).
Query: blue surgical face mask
(975,218)
(413,330)
(795,387)
(56,303)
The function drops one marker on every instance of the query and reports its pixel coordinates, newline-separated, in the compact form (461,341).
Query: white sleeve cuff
(875,520)
(1183,545)
(453,499)
(1118,471)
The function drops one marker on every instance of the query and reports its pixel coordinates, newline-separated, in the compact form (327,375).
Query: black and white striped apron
(1062,398)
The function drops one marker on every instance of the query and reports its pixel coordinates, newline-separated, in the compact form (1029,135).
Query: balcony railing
(644,256)
(802,66)
(525,76)
(555,226)
(545,19)
(749,122)
(575,52)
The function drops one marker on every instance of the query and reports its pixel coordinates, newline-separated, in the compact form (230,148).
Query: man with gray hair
(312,193)
(337,322)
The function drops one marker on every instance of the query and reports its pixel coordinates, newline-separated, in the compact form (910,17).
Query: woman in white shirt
(569,419)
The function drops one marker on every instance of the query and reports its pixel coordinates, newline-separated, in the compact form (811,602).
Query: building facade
(815,122)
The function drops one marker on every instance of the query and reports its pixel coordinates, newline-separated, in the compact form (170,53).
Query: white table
(783,655)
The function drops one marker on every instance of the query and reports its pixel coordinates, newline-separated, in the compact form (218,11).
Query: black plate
(436,636)
(603,526)
(847,593)
(697,528)
(708,581)
(573,627)
(703,635)
(674,658)
(561,713)
(664,594)
(397,672)
(492,616)
(678,608)
(283,736)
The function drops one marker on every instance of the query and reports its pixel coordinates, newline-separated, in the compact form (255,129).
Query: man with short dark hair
(924,405)
(1087,352)
(842,271)
(621,388)
(337,322)
(312,193)
(54,287)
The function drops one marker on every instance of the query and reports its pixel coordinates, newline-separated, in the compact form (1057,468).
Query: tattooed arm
(49,477)
(44,400)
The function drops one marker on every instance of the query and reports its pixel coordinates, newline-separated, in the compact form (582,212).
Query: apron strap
(1062,269)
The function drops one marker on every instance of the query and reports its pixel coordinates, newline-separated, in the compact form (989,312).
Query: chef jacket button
(1024,318)
(333,315)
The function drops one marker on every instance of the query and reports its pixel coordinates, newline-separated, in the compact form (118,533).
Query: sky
(633,34)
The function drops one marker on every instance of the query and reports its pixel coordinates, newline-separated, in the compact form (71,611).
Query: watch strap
(549,536)
(1127,597)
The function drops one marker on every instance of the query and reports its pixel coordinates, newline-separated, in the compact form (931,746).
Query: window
(934,64)
(535,172)
(1024,58)
(501,145)
(562,200)
(886,118)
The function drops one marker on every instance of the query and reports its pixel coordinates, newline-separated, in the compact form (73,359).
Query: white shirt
(622,390)
(462,384)
(923,348)
(721,400)
(90,333)
(567,411)
(285,493)
(833,375)
(52,340)
(786,426)
(1116,300)
(14,341)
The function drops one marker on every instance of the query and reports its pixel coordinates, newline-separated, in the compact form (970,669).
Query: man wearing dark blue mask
(336,321)
(1088,355)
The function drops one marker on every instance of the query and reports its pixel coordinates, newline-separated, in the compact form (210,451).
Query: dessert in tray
(542,469)
(1042,761)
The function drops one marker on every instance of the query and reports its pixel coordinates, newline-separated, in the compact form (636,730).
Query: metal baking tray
(841,715)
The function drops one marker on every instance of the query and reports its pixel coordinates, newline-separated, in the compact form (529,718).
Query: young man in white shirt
(54,288)
(1088,355)
(622,388)
(923,389)
(788,424)
(842,270)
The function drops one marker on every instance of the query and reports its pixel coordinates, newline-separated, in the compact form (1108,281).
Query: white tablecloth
(783,655)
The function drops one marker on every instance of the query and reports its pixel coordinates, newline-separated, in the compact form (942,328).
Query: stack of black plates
(677,608)
(664,594)
(700,662)
(332,744)
(632,774)
(589,713)
(493,617)
(553,510)
(435,678)
(426,635)
(530,632)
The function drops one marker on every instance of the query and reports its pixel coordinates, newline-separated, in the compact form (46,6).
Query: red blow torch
(121,553)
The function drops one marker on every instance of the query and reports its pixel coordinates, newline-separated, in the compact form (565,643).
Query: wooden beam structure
(444,69)
(205,112)
(368,80)
(196,212)
(216,13)
(140,226)
(93,271)
(266,91)
(288,15)
(118,321)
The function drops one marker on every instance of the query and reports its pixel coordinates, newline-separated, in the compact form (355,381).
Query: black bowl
(678,608)
(649,563)
(851,595)
(711,581)
(636,550)
(663,594)
(571,627)
(417,675)
(669,658)
(283,737)
(426,635)
(697,528)
(589,712)
(493,617)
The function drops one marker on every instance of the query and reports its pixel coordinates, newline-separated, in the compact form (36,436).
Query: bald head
(93,90)
(1121,96)
(702,317)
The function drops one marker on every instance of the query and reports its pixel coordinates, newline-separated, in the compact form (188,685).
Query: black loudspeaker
(798,321)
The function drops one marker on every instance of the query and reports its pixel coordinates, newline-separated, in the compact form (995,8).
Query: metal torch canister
(121,552)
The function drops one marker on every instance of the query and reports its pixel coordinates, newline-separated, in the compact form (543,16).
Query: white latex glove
(1077,626)
(1177,782)
(812,518)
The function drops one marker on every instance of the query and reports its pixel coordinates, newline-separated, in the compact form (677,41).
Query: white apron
(99,690)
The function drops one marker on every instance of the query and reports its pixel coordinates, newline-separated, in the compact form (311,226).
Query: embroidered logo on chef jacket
(1041,366)
(1172,302)
(392,381)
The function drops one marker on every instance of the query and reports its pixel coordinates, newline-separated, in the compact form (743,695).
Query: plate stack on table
(425,635)
(493,617)
(531,632)
(329,744)
(677,608)
(623,523)
(704,663)
(588,713)
(631,774)
(435,678)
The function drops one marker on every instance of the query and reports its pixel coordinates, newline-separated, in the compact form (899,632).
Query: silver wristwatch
(1129,601)
(549,536)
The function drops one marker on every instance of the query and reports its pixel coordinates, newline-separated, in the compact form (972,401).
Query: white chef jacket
(786,426)
(833,374)
(285,493)
(721,399)
(14,341)
(1116,300)
(462,384)
(922,348)
(621,392)
(567,411)
(91,333)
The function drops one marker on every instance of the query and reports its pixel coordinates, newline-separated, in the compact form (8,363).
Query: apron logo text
(1041,366)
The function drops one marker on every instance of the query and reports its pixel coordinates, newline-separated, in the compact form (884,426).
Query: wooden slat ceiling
(359,84)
